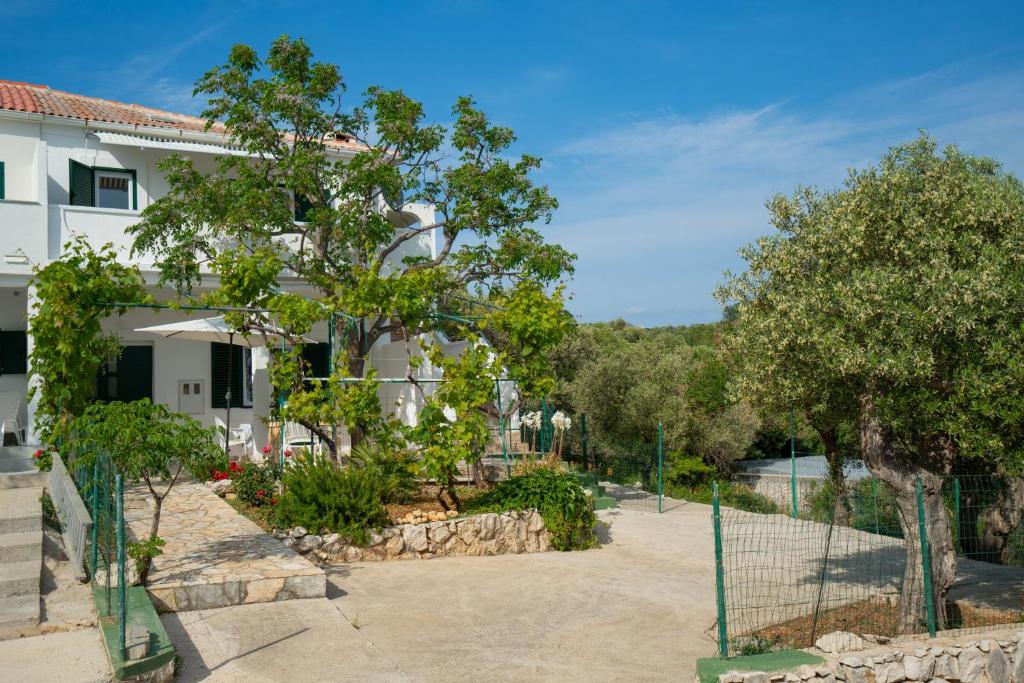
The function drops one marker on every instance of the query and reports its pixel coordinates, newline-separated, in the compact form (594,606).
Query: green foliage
(395,469)
(563,504)
(145,440)
(317,495)
(143,552)
(69,344)
(42,459)
(362,174)
(683,469)
(738,496)
(256,484)
(869,503)
(204,470)
(898,290)
(147,443)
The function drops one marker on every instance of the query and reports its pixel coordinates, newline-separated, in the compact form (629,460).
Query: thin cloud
(657,208)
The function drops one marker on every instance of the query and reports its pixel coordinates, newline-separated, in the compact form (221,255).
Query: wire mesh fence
(102,489)
(859,557)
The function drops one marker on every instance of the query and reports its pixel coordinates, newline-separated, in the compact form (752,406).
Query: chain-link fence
(102,490)
(858,557)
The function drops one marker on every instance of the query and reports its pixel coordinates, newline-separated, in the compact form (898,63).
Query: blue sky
(664,126)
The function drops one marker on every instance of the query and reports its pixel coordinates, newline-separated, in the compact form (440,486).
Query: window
(13,352)
(128,377)
(241,375)
(112,190)
(108,188)
(2,195)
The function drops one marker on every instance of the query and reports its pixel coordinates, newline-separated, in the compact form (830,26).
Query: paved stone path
(214,556)
(636,609)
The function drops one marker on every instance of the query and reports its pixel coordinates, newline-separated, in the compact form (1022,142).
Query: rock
(857,674)
(852,661)
(439,533)
(840,641)
(221,488)
(330,539)
(878,640)
(890,673)
(452,514)
(290,542)
(946,666)
(230,496)
(279,535)
(1018,665)
(416,538)
(731,677)
(971,663)
(998,666)
(985,646)
(298,532)
(309,543)
(755,677)
(919,667)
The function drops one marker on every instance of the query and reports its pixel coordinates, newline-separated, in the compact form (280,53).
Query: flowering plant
(43,460)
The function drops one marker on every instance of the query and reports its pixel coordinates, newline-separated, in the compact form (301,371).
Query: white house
(74,165)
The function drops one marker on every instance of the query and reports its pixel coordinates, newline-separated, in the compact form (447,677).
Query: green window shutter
(317,356)
(81,185)
(219,374)
(2,195)
(135,373)
(13,353)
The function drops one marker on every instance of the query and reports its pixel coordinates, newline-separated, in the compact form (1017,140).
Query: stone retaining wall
(485,534)
(778,487)
(967,659)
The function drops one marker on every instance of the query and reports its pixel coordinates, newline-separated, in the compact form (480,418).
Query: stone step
(18,612)
(20,511)
(21,547)
(20,578)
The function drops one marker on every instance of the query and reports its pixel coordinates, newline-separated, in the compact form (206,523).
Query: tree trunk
(1001,519)
(841,509)
(354,345)
(154,528)
(931,462)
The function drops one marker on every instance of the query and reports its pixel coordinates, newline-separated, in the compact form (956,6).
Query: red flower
(266,449)
(38,453)
(261,493)
(273,501)
(288,453)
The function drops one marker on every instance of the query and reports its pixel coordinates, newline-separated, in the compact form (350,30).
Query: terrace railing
(76,522)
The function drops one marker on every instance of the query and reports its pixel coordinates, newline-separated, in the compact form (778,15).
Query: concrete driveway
(639,608)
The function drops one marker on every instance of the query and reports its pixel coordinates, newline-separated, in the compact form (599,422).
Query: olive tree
(900,291)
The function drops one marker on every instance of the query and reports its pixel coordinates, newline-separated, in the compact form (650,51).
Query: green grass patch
(710,668)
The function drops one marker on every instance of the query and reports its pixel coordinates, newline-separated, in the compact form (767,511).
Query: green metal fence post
(122,574)
(926,561)
(583,443)
(660,459)
(723,632)
(94,545)
(792,462)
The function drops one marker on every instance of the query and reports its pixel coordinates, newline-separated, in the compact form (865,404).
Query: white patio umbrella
(217,329)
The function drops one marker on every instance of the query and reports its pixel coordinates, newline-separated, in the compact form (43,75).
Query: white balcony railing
(98,226)
(22,235)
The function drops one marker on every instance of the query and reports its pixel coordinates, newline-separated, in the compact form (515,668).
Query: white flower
(561,421)
(532,420)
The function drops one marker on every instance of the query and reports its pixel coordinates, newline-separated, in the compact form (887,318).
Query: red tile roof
(41,99)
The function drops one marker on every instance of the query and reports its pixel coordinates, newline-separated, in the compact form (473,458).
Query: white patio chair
(297,436)
(239,439)
(13,417)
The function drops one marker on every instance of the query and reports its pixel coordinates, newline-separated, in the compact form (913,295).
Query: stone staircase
(21,559)
(598,494)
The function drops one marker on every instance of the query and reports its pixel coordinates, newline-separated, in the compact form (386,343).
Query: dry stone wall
(484,534)
(999,659)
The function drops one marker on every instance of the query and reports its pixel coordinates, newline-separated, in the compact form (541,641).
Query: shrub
(205,470)
(732,495)
(319,496)
(255,484)
(43,460)
(396,469)
(688,470)
(564,505)
(870,504)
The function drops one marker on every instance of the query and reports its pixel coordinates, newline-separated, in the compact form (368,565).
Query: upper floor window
(2,180)
(108,188)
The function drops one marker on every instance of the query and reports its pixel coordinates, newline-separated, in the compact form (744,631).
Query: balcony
(98,226)
(22,236)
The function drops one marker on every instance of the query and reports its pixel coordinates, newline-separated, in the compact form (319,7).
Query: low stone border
(484,534)
(950,659)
